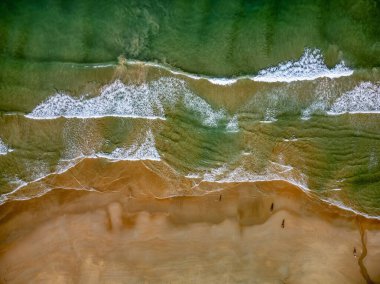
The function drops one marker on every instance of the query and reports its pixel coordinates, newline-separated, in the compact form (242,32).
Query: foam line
(147,101)
(145,151)
(4,149)
(364,98)
(310,66)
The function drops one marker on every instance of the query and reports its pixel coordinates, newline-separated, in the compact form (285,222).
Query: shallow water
(305,109)
(320,134)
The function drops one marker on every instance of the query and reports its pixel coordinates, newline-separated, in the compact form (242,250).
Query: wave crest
(364,98)
(149,101)
(310,66)
(4,149)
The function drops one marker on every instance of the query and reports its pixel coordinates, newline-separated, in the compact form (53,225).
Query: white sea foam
(144,151)
(116,99)
(66,164)
(193,176)
(241,175)
(38,171)
(149,101)
(364,98)
(43,189)
(4,149)
(214,80)
(343,206)
(319,105)
(282,168)
(269,116)
(293,139)
(224,174)
(275,171)
(309,67)
(233,124)
(104,65)
(216,173)
(210,117)
(223,81)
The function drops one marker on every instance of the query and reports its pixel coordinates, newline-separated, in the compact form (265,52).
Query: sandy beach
(144,226)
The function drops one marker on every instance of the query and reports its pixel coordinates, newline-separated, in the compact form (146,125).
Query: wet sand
(143,224)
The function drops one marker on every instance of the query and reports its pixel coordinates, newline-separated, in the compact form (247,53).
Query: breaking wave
(144,151)
(364,98)
(310,66)
(4,149)
(149,101)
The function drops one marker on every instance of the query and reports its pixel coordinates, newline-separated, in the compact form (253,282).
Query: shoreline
(46,180)
(70,235)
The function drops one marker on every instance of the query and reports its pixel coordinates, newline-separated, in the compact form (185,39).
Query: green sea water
(223,38)
(71,88)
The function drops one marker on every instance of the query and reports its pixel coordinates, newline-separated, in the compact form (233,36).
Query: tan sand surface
(131,231)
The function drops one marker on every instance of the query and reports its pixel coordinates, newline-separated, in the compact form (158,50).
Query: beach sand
(143,224)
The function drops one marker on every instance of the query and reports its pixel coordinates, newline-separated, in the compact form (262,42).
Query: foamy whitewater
(152,100)
(116,99)
(364,98)
(310,66)
(144,151)
(4,149)
(148,101)
(137,151)
(233,124)
(274,171)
